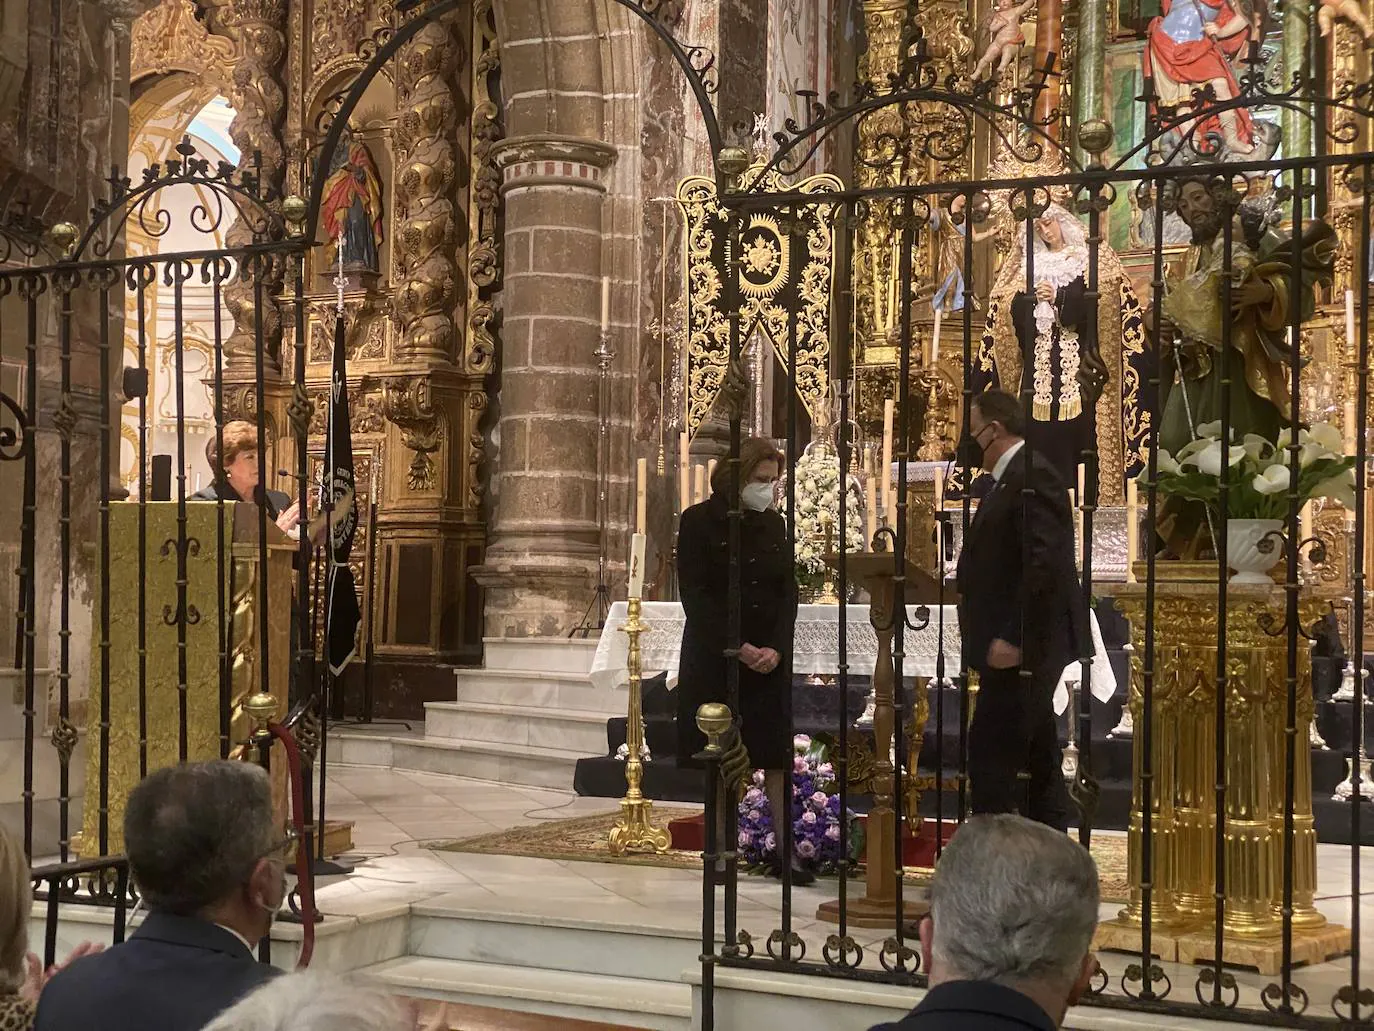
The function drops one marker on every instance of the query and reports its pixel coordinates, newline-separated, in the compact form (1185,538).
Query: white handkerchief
(1104,680)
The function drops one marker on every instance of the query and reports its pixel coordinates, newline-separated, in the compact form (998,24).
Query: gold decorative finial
(293,209)
(261,709)
(713,720)
(733,161)
(1095,136)
(64,234)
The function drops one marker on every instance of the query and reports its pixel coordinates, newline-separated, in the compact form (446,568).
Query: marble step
(501,763)
(574,729)
(539,654)
(534,688)
(658,950)
(626,1001)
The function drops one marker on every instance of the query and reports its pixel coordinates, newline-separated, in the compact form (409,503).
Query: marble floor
(397,813)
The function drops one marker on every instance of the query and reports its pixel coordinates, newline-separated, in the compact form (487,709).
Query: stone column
(540,567)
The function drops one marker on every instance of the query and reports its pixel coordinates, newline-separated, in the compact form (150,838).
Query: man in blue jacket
(209,862)
(1013,907)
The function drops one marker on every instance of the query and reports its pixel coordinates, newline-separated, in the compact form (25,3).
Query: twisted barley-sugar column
(258,27)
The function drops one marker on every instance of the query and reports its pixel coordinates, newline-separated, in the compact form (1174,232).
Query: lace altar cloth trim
(816,646)
(816,642)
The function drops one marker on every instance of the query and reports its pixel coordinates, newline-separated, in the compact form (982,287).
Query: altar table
(816,646)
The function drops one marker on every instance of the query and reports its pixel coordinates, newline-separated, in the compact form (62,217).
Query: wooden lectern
(876,571)
(152,640)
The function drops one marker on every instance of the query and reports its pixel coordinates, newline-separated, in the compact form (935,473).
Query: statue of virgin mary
(1048,330)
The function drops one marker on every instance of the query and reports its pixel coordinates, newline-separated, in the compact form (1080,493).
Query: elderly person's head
(1014,902)
(202,842)
(16,899)
(314,1001)
(236,461)
(760,465)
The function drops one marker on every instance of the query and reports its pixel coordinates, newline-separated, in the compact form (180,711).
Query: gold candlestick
(634,828)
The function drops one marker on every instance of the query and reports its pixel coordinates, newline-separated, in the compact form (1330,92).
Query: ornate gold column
(1184,710)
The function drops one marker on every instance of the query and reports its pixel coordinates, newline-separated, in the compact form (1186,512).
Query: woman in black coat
(768,614)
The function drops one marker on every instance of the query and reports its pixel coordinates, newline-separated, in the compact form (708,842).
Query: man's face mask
(970,449)
(756,496)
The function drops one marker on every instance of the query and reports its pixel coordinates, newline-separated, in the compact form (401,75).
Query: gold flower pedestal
(1183,771)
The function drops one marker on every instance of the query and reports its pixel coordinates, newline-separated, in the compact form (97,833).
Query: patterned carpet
(582,839)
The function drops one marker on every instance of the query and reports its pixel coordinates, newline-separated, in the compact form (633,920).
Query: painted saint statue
(352,207)
(1193,45)
(1047,331)
(1259,267)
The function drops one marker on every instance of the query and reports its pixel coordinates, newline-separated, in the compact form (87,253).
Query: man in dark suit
(210,864)
(1022,618)
(1013,908)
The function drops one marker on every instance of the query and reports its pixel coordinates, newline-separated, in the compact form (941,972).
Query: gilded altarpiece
(899,145)
(420,325)
(421,331)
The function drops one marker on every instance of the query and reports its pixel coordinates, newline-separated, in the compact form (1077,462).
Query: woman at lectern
(236,475)
(768,614)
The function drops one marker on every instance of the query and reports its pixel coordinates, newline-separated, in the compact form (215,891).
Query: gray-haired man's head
(1014,902)
(202,841)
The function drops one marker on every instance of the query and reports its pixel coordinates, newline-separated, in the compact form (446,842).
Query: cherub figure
(1001,37)
(1329,10)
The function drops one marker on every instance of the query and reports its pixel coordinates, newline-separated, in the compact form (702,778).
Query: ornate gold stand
(1183,775)
(634,829)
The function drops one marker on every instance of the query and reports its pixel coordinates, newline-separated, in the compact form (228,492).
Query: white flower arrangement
(1261,472)
(817,495)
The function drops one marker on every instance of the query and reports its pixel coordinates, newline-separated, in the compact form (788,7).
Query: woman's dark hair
(752,453)
(999,406)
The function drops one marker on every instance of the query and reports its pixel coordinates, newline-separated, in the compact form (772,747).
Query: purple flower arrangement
(818,837)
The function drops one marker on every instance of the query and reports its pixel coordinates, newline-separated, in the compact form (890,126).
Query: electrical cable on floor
(533,813)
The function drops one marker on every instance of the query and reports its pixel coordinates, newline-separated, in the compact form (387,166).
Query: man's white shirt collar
(1001,467)
(226,927)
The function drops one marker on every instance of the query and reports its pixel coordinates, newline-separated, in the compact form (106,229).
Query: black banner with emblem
(342,616)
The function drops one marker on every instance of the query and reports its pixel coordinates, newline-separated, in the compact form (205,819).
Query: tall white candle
(1350,321)
(1132,528)
(885,472)
(1305,532)
(710,475)
(935,340)
(870,507)
(698,484)
(641,494)
(605,303)
(637,566)
(684,471)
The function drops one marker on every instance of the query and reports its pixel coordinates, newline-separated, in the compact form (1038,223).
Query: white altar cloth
(816,646)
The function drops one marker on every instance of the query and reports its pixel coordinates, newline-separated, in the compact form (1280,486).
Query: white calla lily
(1210,430)
(1339,488)
(1273,479)
(1327,436)
(1192,448)
(1208,460)
(1256,447)
(1167,463)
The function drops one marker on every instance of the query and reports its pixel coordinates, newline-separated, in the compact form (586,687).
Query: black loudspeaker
(135,383)
(162,478)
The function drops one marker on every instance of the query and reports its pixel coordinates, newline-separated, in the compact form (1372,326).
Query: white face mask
(756,496)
